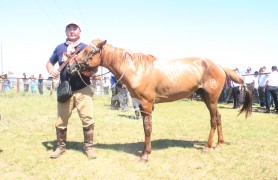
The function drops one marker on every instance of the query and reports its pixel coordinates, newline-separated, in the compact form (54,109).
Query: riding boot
(88,141)
(61,142)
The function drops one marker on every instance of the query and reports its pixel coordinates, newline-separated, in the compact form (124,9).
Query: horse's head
(89,57)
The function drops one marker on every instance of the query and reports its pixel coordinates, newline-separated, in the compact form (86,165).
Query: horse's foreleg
(147,124)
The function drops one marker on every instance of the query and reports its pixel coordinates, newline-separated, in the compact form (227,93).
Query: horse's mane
(120,52)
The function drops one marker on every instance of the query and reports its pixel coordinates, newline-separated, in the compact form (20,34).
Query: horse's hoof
(144,159)
(206,150)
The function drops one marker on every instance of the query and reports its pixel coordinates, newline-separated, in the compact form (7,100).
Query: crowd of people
(31,83)
(262,84)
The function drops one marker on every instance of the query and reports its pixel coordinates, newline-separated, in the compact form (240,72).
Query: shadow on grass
(51,145)
(131,117)
(131,148)
(135,148)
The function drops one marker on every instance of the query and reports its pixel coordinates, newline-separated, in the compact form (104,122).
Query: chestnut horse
(151,81)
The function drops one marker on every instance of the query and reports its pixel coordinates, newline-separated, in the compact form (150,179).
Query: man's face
(73,32)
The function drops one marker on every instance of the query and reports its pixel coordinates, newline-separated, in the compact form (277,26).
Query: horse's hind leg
(215,119)
(219,130)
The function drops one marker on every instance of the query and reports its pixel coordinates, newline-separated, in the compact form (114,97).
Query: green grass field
(180,131)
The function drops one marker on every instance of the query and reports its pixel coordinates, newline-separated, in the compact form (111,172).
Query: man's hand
(54,73)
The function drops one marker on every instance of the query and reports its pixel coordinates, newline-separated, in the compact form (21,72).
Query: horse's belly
(175,92)
(170,98)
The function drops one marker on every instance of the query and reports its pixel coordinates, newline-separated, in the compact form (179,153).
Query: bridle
(93,52)
(83,65)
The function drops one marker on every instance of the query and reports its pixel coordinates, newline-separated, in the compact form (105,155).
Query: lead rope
(85,82)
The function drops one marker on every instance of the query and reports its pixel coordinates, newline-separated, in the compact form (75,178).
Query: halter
(93,51)
(84,62)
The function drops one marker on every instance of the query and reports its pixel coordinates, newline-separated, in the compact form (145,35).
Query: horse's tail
(247,104)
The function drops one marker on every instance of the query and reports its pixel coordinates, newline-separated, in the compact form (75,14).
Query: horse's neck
(117,61)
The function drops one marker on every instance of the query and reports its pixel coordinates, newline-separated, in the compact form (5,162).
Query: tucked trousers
(81,100)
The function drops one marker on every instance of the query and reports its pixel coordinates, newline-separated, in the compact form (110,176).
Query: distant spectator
(236,88)
(256,88)
(93,82)
(271,88)
(7,83)
(122,94)
(25,83)
(40,84)
(224,92)
(229,90)
(261,81)
(52,86)
(33,84)
(2,80)
(115,103)
(106,86)
(249,80)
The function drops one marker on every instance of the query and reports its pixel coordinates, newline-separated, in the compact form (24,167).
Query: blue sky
(233,33)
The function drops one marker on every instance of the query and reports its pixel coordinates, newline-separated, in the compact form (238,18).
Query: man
(2,80)
(262,80)
(40,84)
(7,83)
(236,88)
(256,88)
(25,83)
(122,94)
(115,104)
(271,88)
(249,80)
(82,93)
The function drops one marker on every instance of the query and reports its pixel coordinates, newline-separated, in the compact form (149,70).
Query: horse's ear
(101,44)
